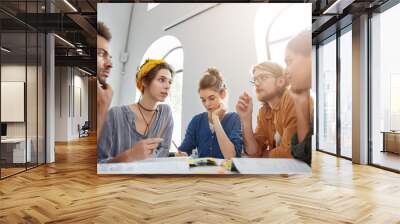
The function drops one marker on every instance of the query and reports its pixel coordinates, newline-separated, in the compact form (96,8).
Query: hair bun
(212,79)
(214,72)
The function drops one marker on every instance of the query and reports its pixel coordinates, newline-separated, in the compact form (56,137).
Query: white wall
(218,37)
(33,127)
(61,103)
(116,18)
(80,83)
(68,81)
(14,73)
(17,73)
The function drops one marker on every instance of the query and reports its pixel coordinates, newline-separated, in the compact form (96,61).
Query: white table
(19,155)
(180,165)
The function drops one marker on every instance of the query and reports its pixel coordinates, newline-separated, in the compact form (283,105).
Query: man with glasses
(104,65)
(276,120)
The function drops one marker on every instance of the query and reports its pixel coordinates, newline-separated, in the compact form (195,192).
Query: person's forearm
(225,144)
(303,117)
(250,144)
(125,156)
(280,152)
(122,157)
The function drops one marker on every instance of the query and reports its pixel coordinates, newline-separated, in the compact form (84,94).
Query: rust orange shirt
(270,121)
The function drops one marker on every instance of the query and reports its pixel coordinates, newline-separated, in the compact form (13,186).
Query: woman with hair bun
(216,132)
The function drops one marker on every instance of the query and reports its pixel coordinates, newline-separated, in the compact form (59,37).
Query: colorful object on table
(202,162)
(227,164)
(223,165)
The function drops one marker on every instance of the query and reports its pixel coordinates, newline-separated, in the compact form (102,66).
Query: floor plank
(387,159)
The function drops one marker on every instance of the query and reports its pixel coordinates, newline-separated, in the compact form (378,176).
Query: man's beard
(102,80)
(266,98)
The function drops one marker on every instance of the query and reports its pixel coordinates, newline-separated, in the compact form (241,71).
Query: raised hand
(244,106)
(104,97)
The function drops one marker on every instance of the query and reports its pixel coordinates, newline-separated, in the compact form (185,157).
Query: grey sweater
(119,132)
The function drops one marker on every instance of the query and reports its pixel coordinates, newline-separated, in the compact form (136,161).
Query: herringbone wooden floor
(70,191)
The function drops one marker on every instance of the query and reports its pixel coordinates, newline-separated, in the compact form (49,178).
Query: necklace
(144,108)
(140,107)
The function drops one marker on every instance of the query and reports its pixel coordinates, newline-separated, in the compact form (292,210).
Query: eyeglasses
(103,53)
(260,78)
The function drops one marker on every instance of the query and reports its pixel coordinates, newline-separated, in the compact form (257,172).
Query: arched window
(170,49)
(275,25)
(151,6)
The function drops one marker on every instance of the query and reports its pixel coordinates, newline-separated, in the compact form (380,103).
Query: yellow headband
(144,70)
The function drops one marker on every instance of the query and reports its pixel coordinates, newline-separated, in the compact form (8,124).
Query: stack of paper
(270,166)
